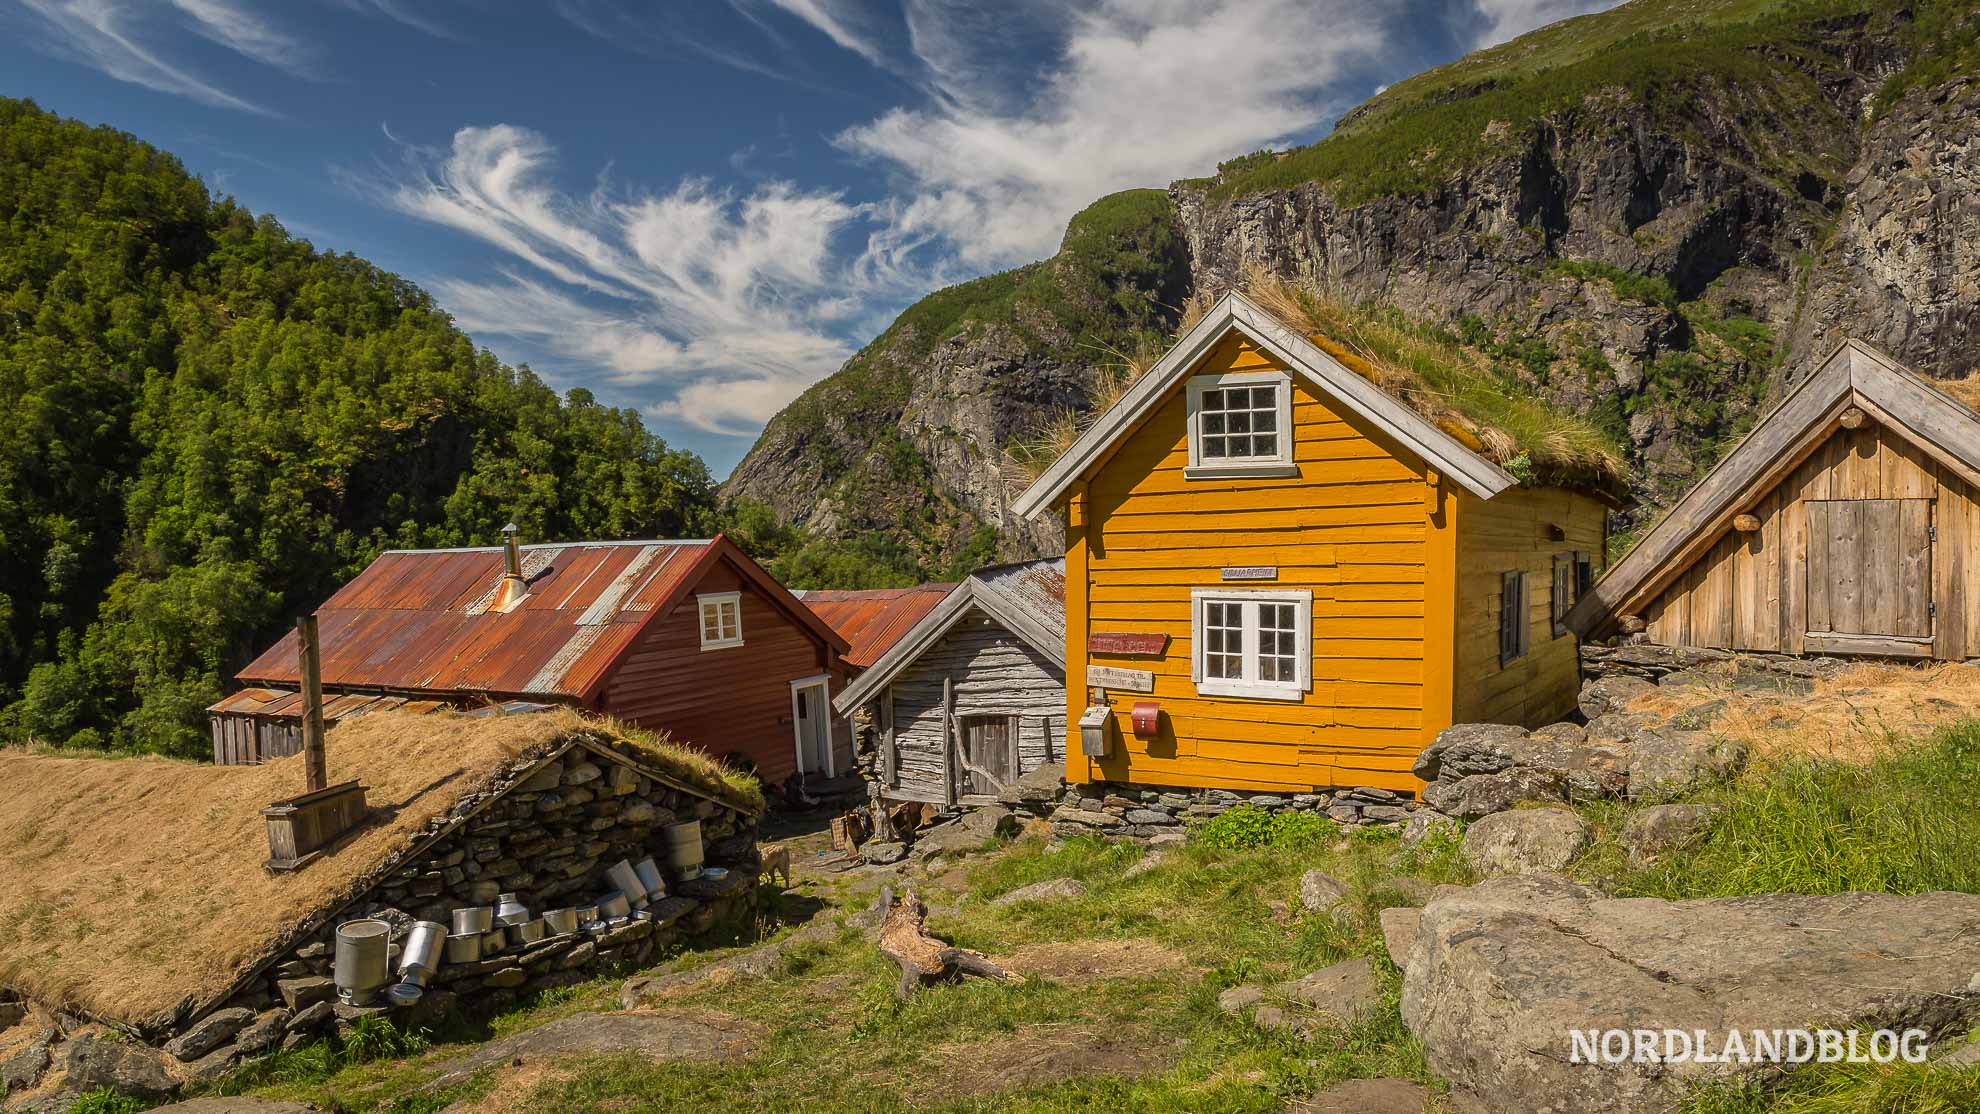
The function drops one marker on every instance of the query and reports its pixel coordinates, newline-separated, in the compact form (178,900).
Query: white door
(811,719)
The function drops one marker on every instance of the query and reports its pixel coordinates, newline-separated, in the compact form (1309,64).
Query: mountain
(206,425)
(1658,216)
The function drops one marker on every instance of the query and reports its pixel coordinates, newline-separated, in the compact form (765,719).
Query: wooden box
(301,827)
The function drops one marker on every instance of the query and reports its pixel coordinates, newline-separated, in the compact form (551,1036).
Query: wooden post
(315,773)
(949,738)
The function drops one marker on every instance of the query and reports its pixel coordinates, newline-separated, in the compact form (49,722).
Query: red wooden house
(689,637)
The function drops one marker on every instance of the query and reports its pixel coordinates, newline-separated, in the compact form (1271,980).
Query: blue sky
(699,207)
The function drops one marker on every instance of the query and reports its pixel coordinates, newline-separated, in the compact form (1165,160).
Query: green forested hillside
(205,425)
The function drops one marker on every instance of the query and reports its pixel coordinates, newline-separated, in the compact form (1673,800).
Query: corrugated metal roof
(1036,587)
(421,619)
(287,704)
(872,621)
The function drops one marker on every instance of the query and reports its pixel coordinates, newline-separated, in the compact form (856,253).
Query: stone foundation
(1157,814)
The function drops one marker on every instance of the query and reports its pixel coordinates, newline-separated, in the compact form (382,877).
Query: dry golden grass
(1965,391)
(134,886)
(1851,717)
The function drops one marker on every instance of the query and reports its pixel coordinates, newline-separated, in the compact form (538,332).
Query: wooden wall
(247,740)
(1755,591)
(995,673)
(1352,527)
(1512,533)
(735,700)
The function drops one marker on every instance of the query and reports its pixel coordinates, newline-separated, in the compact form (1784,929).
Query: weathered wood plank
(1820,584)
(1912,585)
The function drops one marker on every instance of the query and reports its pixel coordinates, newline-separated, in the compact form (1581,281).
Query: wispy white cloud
(844,24)
(1509,19)
(119,40)
(246,34)
(416,14)
(1140,93)
(718,306)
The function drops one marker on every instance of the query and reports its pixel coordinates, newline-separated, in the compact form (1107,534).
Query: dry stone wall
(545,832)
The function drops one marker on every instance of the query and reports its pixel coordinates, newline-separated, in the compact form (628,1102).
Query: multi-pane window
(1223,633)
(721,620)
(1253,643)
(1240,424)
(1513,619)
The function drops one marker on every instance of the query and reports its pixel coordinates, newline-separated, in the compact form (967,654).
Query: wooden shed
(1842,524)
(1304,578)
(973,695)
(688,637)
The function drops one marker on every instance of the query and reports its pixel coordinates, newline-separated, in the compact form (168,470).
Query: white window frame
(715,600)
(1248,467)
(1249,686)
(823,682)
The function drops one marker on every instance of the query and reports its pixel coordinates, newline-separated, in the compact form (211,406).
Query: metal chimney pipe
(509,534)
(315,772)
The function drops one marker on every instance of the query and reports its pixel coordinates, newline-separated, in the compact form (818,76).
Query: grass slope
(1206,918)
(1663,55)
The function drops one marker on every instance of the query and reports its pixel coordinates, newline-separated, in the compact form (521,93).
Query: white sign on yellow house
(1414,583)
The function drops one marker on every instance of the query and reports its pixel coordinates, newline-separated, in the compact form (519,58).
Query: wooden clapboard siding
(1844,544)
(1351,528)
(1513,532)
(992,672)
(1365,526)
(729,701)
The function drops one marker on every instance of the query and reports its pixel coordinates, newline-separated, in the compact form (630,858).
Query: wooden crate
(300,828)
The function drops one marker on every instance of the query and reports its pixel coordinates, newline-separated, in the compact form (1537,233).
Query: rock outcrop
(1481,769)
(1664,257)
(1503,974)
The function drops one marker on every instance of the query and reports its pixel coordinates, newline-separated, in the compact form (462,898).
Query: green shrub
(103,1100)
(1246,826)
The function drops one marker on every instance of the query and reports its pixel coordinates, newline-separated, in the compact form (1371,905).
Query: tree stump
(922,958)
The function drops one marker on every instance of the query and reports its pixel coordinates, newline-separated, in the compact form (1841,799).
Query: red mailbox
(1147,719)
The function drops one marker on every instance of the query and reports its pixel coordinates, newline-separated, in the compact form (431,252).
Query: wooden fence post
(315,772)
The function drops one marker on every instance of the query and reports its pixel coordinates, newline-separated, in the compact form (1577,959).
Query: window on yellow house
(1240,424)
(1256,643)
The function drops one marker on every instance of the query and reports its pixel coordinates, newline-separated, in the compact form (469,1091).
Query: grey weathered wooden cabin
(1844,523)
(974,695)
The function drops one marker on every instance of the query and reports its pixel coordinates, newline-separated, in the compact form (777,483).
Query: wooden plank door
(1869,570)
(989,753)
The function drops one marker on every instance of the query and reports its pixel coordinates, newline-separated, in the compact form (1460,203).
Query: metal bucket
(529,932)
(560,922)
(613,906)
(422,949)
(684,848)
(405,994)
(494,941)
(510,911)
(362,965)
(649,878)
(587,914)
(467,922)
(626,880)
(464,948)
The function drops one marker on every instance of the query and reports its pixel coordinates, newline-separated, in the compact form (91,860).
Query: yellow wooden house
(1299,578)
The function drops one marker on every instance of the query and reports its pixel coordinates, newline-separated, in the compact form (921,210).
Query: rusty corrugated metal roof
(872,621)
(1038,587)
(420,620)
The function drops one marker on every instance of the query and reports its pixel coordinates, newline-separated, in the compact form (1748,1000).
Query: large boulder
(1666,764)
(1505,972)
(1525,841)
(1651,833)
(1603,695)
(1321,892)
(1476,795)
(1469,748)
(1399,926)
(94,1061)
(1039,786)
(1052,889)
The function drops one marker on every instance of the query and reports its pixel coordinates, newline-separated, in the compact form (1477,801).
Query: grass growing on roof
(135,885)
(1481,405)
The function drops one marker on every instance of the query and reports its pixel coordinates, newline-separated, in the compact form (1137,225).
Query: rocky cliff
(1660,216)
